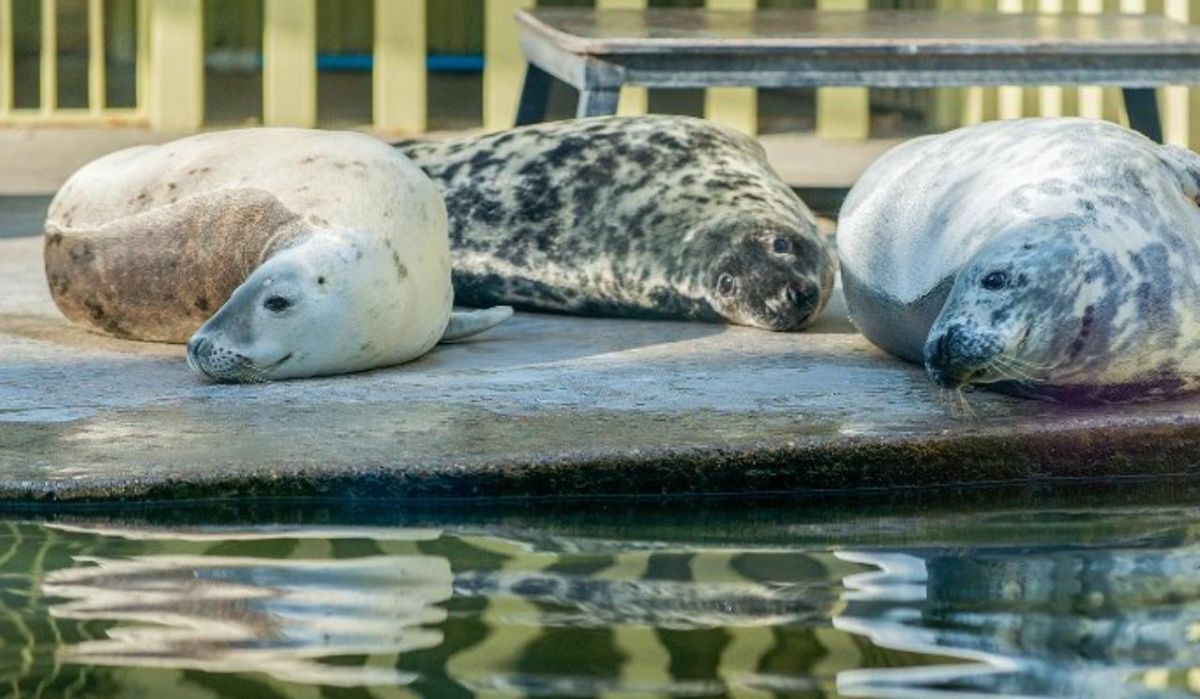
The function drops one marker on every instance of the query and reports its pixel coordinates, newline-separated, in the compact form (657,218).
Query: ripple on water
(1037,604)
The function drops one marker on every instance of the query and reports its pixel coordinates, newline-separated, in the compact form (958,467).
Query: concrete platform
(542,406)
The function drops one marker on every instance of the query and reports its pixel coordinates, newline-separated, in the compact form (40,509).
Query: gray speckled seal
(655,217)
(1054,258)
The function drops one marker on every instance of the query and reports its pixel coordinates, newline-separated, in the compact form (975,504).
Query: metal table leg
(597,102)
(535,96)
(1142,108)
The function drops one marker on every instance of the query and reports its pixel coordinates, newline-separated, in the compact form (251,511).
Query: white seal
(1057,258)
(320,253)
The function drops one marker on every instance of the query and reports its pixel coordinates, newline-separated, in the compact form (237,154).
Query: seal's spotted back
(653,217)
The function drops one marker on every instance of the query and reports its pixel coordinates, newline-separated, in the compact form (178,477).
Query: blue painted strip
(439,63)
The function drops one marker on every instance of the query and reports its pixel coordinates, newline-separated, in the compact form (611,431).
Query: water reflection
(261,611)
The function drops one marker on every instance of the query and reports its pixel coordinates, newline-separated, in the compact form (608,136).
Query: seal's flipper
(464,324)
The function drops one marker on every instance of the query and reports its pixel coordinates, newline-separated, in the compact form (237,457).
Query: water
(950,595)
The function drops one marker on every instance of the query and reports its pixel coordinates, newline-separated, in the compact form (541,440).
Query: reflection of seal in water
(1058,258)
(656,217)
(319,252)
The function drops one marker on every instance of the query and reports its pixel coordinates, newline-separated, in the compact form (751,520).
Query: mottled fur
(628,216)
(1056,258)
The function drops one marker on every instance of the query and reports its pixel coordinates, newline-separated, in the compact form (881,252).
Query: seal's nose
(948,358)
(804,296)
(197,348)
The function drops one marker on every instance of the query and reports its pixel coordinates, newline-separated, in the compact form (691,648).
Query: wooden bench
(599,51)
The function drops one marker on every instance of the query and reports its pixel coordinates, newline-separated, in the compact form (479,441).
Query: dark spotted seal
(287,252)
(653,217)
(1056,258)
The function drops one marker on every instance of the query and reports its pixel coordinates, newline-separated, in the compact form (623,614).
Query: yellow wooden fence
(170,70)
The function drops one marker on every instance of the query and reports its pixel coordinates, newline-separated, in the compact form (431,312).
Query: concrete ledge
(542,406)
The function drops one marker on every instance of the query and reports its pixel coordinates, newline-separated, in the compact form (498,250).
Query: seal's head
(331,304)
(1026,308)
(771,277)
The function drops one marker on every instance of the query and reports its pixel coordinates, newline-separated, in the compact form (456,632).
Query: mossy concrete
(542,406)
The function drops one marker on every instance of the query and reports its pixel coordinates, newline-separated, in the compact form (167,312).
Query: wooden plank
(843,112)
(1010,100)
(142,62)
(978,103)
(1050,98)
(947,103)
(96,73)
(735,107)
(399,78)
(1176,101)
(6,56)
(290,63)
(1091,98)
(504,64)
(175,89)
(48,55)
(634,100)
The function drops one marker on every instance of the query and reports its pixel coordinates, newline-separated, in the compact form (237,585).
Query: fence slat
(48,68)
(1050,98)
(6,56)
(504,64)
(1011,100)
(634,100)
(290,63)
(175,89)
(843,112)
(96,77)
(735,107)
(398,78)
(1176,101)
(947,102)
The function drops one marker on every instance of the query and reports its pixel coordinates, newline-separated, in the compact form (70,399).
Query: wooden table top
(908,32)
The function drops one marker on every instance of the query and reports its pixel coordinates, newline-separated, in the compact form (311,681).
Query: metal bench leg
(1142,108)
(535,96)
(597,103)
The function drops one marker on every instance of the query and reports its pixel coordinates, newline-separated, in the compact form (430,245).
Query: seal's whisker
(1017,361)
(1009,372)
(967,411)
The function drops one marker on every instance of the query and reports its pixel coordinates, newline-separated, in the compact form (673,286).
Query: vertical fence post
(290,62)
(48,65)
(1050,98)
(843,112)
(504,64)
(6,56)
(176,85)
(398,79)
(735,107)
(96,86)
(947,102)
(1091,97)
(634,100)
(1010,99)
(1176,100)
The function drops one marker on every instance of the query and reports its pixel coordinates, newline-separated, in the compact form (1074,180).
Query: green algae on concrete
(543,406)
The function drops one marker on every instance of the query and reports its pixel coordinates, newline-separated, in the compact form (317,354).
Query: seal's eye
(782,245)
(725,284)
(276,304)
(995,281)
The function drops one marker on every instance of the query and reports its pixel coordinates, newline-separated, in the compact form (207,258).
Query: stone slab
(542,406)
